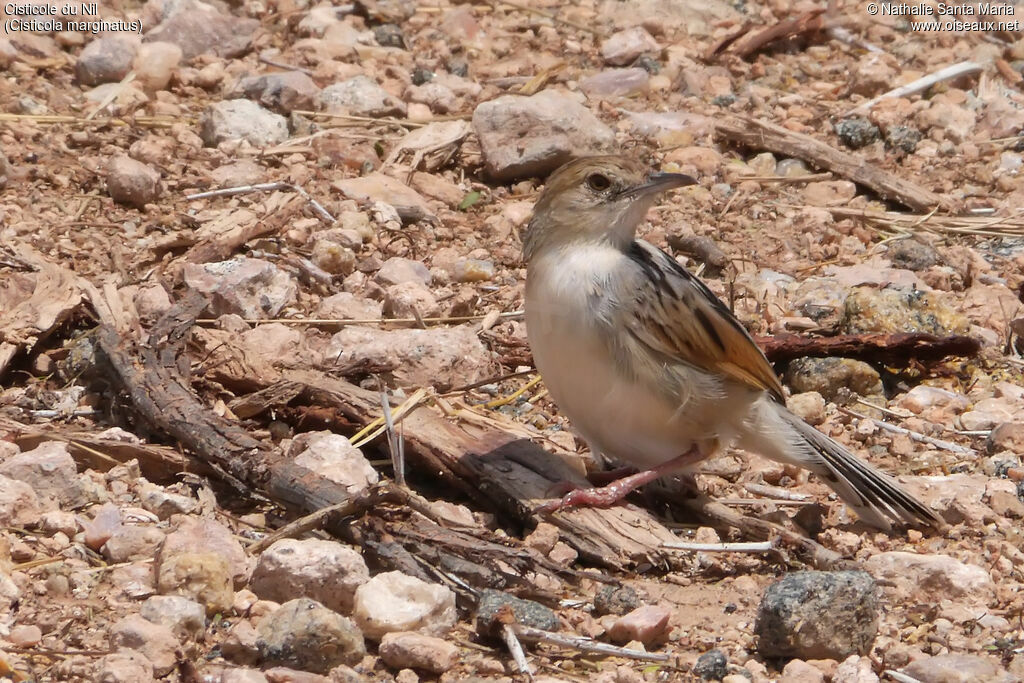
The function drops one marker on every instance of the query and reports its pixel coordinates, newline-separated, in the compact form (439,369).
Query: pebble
(856,132)
(242,120)
(306,635)
(1007,436)
(818,615)
(955,122)
(19,505)
(251,288)
(409,300)
(522,137)
(281,91)
(185,618)
(393,601)
(154,65)
(199,28)
(132,182)
(615,600)
(348,306)
(958,668)
(791,168)
(826,376)
(903,138)
(713,665)
(157,643)
(164,503)
(493,605)
(397,270)
(646,624)
(473,270)
(332,257)
(923,397)
(799,671)
(50,470)
(201,576)
(132,542)
(442,357)
(377,187)
(333,457)
(935,574)
(892,310)
(408,650)
(829,192)
(360,96)
(809,406)
(625,47)
(107,59)
(855,669)
(872,75)
(616,83)
(25,635)
(123,666)
(912,254)
(326,571)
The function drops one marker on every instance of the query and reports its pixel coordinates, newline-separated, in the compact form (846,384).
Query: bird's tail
(875,497)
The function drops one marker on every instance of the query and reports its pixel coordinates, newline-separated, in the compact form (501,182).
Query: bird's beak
(660,182)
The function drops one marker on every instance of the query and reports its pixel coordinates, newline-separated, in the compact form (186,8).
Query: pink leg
(606,496)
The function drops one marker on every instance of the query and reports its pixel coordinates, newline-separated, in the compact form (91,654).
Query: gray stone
(132,182)
(958,668)
(393,601)
(242,120)
(818,615)
(251,288)
(198,28)
(912,254)
(361,96)
(522,137)
(185,618)
(856,132)
(106,60)
(492,604)
(281,91)
(624,47)
(713,665)
(615,600)
(827,376)
(306,635)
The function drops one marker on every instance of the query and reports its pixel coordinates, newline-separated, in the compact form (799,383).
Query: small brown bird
(650,367)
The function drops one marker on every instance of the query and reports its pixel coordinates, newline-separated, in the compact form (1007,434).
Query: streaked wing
(679,317)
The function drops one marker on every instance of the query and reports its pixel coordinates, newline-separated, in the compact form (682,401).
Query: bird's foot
(602,496)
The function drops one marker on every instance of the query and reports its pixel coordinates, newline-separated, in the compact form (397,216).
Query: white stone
(394,601)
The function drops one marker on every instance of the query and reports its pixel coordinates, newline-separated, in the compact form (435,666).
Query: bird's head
(595,199)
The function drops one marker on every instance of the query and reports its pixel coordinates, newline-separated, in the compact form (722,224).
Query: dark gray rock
(493,606)
(912,254)
(856,132)
(615,600)
(828,376)
(712,665)
(818,615)
(902,138)
(303,634)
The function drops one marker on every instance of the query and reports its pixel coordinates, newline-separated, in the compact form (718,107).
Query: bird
(648,365)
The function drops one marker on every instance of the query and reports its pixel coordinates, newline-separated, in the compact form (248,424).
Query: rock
(393,601)
(185,618)
(829,192)
(530,136)
(106,60)
(406,650)
(809,406)
(198,28)
(19,505)
(242,172)
(360,96)
(713,665)
(441,356)
(923,397)
(827,376)
(202,535)
(818,615)
(25,635)
(935,574)
(242,120)
(241,646)
(377,187)
(248,287)
(334,458)
(956,497)
(132,542)
(437,96)
(903,138)
(280,91)
(615,600)
(200,576)
(473,270)
(124,666)
(325,571)
(409,300)
(872,75)
(958,668)
(855,669)
(615,83)
(799,671)
(332,257)
(912,254)
(239,675)
(348,306)
(624,47)
(397,270)
(895,310)
(1007,436)
(52,522)
(493,605)
(157,643)
(647,624)
(50,470)
(155,64)
(955,122)
(164,503)
(856,132)
(132,182)
(306,635)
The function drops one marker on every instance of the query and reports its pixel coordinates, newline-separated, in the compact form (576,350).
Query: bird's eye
(598,182)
